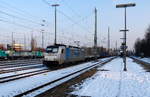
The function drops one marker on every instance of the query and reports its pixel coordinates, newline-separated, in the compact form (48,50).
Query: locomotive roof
(57,45)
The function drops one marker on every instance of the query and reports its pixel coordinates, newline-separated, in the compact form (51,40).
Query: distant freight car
(89,53)
(3,54)
(11,54)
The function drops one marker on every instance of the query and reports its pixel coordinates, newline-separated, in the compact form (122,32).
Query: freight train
(62,54)
(10,54)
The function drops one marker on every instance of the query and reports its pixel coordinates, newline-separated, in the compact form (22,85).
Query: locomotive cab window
(52,50)
(62,51)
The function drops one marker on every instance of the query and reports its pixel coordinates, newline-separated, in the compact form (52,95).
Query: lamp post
(125,30)
(55,5)
(42,31)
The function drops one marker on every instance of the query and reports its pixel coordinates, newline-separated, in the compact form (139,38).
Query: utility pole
(116,46)
(12,37)
(55,5)
(116,50)
(25,42)
(95,35)
(108,39)
(31,41)
(42,39)
(125,30)
(42,31)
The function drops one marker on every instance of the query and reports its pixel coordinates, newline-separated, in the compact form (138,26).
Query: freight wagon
(10,54)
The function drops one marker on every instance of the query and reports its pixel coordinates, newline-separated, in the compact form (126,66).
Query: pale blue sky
(75,20)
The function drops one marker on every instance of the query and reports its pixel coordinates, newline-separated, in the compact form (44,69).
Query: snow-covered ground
(112,81)
(13,88)
(145,59)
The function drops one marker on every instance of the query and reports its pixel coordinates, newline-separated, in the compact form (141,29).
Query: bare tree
(143,46)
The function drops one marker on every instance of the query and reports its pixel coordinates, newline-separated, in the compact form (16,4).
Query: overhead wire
(23,15)
(70,18)
(16,13)
(19,11)
(44,1)
(5,20)
(75,12)
(79,16)
(74,22)
(24,19)
(81,20)
(15,24)
(71,9)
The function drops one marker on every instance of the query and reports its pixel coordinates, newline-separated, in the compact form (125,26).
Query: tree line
(142,46)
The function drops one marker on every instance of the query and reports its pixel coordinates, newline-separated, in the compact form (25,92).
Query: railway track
(58,81)
(10,63)
(140,61)
(22,75)
(144,64)
(19,76)
(20,69)
(18,65)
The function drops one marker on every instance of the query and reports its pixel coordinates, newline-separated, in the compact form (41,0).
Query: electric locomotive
(60,54)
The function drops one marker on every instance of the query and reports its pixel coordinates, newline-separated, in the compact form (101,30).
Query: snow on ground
(112,81)
(145,59)
(16,87)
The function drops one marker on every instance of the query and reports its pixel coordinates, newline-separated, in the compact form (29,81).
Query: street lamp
(125,5)
(125,30)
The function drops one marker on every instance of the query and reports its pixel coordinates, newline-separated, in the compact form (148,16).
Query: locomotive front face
(54,54)
(51,58)
(51,54)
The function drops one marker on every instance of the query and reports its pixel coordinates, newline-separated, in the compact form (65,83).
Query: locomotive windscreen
(52,49)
